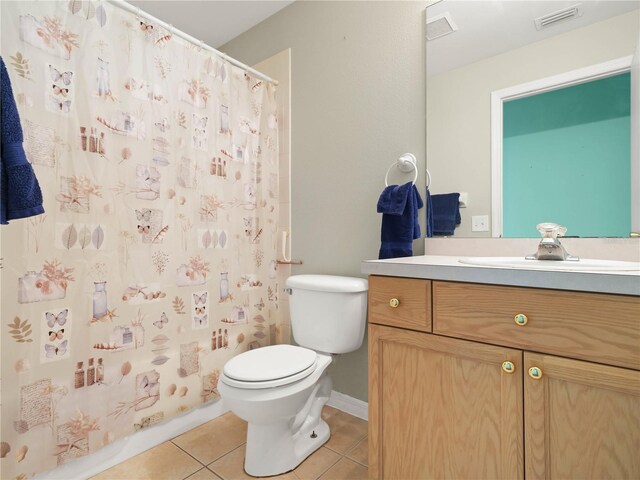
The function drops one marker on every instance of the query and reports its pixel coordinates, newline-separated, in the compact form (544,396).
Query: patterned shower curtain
(155,261)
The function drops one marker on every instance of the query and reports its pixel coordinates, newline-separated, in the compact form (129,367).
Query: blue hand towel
(429,214)
(20,194)
(399,205)
(446,213)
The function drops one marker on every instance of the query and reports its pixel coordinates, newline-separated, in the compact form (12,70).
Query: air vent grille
(568,13)
(440,26)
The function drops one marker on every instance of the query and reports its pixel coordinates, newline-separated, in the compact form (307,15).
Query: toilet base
(275,448)
(269,453)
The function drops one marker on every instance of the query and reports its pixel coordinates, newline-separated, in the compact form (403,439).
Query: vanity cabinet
(508,382)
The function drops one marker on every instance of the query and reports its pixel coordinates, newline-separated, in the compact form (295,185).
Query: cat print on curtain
(151,267)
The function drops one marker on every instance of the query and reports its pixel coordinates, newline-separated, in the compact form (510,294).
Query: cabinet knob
(508,367)
(520,319)
(394,303)
(535,373)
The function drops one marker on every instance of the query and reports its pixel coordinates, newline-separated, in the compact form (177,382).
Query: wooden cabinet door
(442,408)
(582,420)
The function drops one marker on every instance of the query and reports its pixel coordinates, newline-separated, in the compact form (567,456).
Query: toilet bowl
(280,390)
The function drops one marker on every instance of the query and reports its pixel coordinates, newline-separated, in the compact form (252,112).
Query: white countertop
(434,267)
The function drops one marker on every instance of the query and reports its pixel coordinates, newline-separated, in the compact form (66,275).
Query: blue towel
(399,205)
(429,214)
(20,194)
(446,213)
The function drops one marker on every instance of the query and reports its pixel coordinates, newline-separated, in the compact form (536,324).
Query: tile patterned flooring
(215,451)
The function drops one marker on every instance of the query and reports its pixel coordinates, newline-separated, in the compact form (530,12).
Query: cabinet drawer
(592,326)
(413,306)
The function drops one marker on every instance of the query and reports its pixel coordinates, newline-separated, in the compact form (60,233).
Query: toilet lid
(271,363)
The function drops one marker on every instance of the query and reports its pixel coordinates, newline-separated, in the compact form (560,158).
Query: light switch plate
(480,223)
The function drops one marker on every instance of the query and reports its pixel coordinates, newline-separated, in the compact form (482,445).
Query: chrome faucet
(550,247)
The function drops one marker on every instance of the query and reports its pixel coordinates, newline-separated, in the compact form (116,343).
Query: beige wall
(458,104)
(357,103)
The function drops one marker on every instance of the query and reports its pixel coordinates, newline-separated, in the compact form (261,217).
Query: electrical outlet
(480,223)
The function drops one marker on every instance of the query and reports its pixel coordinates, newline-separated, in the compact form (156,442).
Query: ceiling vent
(568,13)
(440,25)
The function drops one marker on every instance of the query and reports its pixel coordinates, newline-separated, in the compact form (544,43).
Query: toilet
(280,390)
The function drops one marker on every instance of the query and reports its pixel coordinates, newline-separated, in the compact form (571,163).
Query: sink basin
(583,265)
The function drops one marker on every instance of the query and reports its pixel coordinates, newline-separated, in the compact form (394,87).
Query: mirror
(498,65)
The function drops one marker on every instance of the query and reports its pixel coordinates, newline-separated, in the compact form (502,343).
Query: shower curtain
(155,261)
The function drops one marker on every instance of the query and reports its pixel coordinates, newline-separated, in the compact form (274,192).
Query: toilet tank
(328,313)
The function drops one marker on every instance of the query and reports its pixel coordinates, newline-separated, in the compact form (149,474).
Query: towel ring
(405,164)
(427,178)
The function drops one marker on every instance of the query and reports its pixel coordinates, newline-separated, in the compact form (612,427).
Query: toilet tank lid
(328,283)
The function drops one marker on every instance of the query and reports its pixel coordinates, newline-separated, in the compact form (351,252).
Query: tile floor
(215,451)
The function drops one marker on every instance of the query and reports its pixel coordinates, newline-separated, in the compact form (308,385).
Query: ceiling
(212,21)
(490,27)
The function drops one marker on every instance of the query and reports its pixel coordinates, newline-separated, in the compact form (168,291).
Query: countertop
(434,267)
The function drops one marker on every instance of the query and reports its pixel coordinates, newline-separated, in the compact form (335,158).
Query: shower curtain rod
(140,13)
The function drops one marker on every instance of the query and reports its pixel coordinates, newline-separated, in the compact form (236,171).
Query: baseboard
(127,447)
(350,405)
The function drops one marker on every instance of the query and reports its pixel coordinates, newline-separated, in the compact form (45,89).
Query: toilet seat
(269,367)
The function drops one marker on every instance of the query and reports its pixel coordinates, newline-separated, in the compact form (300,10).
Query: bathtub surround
(346,133)
(159,167)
